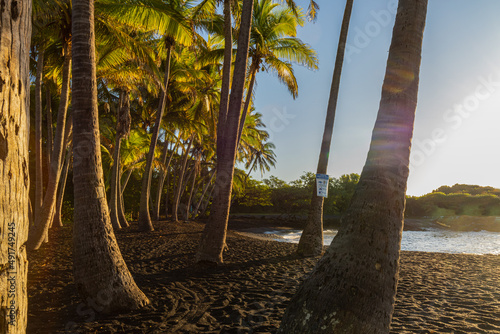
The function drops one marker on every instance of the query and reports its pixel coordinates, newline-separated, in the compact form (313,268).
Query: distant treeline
(277,196)
(460,199)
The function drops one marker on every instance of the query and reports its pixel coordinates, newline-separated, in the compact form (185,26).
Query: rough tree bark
(15,36)
(100,273)
(352,289)
(311,240)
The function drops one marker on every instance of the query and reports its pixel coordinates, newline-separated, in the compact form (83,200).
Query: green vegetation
(273,195)
(459,199)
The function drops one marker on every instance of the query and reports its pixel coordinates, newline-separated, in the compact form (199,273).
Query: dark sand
(438,293)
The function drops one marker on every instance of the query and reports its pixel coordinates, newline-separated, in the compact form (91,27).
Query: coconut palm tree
(353,287)
(311,240)
(214,235)
(14,175)
(273,46)
(100,273)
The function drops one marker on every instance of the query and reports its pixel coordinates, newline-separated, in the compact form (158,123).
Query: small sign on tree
(322,185)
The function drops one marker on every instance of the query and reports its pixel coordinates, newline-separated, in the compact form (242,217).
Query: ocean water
(432,240)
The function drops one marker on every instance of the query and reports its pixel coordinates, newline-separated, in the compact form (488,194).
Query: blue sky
(456,137)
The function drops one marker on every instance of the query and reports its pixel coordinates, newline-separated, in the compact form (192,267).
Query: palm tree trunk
(44,218)
(311,240)
(207,201)
(205,188)
(15,34)
(226,69)
(193,183)
(166,195)
(100,273)
(50,134)
(353,287)
(213,239)
(180,182)
(123,120)
(144,217)
(38,136)
(124,184)
(62,186)
(119,203)
(161,179)
(113,198)
(246,107)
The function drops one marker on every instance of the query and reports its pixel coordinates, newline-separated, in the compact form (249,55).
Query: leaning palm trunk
(246,106)
(50,134)
(38,136)
(205,188)
(161,179)
(193,184)
(353,287)
(180,181)
(122,130)
(213,239)
(226,69)
(119,203)
(311,240)
(57,222)
(100,273)
(44,218)
(15,23)
(144,217)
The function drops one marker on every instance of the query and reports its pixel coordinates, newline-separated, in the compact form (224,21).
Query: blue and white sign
(322,185)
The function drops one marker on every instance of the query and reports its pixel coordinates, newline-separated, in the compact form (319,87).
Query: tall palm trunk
(193,184)
(15,34)
(113,198)
(213,239)
(167,181)
(44,218)
(161,179)
(122,130)
(180,181)
(100,273)
(38,136)
(50,133)
(226,70)
(205,188)
(119,202)
(311,240)
(62,186)
(353,287)
(144,217)
(246,107)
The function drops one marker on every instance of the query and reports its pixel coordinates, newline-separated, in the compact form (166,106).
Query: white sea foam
(440,241)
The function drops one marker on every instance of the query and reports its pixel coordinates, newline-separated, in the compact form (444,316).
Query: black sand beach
(438,293)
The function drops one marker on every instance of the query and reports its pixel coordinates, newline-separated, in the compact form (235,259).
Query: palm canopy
(273,45)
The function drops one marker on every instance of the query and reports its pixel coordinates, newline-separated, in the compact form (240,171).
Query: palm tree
(262,158)
(100,272)
(311,240)
(352,289)
(214,235)
(273,46)
(14,175)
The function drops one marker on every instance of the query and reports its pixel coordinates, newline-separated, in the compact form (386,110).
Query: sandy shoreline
(438,293)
